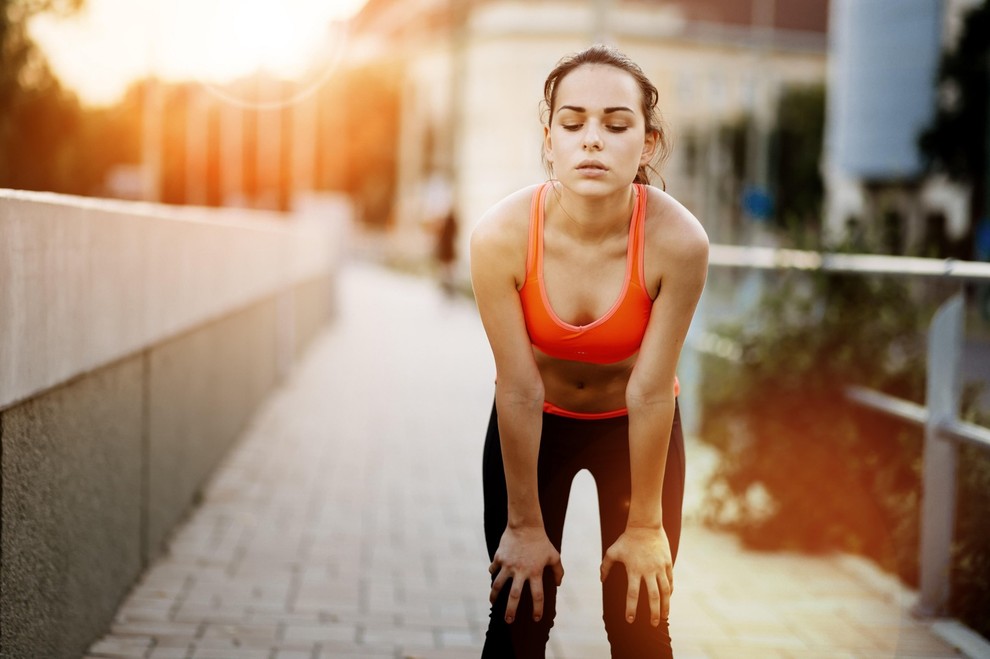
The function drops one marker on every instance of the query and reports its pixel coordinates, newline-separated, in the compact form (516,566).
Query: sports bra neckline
(635,224)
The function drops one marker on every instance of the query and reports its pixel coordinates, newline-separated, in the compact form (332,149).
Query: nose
(592,136)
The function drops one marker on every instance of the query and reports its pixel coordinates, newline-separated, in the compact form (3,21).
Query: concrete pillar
(151,139)
(269,155)
(232,154)
(197,145)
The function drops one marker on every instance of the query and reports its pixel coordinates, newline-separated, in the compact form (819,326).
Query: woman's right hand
(523,553)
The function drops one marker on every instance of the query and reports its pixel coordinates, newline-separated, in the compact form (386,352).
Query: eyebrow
(609,110)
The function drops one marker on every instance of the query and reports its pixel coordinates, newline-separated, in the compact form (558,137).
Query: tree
(797,142)
(956,141)
(38,118)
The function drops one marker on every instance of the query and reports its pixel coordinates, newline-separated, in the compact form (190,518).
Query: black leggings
(566,447)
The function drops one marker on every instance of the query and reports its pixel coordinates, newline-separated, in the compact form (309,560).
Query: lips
(592,165)
(592,169)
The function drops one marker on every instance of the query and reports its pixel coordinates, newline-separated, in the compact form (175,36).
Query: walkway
(347,523)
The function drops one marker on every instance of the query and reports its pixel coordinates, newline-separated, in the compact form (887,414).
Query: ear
(547,144)
(650,147)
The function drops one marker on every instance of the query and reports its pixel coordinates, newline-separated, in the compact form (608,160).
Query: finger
(493,568)
(536,591)
(497,585)
(558,572)
(514,594)
(670,578)
(606,566)
(653,590)
(665,590)
(632,597)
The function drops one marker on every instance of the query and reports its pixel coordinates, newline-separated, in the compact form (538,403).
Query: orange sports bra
(615,336)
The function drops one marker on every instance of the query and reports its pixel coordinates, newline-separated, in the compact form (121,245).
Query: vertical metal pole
(938,501)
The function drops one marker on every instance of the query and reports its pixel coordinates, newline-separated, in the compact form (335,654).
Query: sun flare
(112,42)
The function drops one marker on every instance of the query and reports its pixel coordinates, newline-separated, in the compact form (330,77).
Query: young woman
(586,286)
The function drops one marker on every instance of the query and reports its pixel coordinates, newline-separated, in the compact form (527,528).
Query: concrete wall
(135,342)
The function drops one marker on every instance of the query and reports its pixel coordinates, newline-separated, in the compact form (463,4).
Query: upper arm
(683,253)
(498,256)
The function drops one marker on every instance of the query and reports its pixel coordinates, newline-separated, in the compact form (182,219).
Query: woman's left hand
(646,554)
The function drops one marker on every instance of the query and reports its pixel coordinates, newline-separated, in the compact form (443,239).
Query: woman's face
(597,139)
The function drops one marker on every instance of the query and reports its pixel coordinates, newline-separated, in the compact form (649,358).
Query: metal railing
(944,431)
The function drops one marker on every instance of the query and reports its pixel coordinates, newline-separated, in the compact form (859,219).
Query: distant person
(446,252)
(586,285)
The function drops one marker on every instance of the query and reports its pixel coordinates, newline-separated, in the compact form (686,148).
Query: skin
(598,117)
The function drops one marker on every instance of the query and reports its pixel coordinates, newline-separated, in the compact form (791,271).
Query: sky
(110,43)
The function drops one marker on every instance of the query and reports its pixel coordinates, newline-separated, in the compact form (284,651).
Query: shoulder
(673,231)
(505,226)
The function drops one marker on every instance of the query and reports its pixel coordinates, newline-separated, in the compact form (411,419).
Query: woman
(586,286)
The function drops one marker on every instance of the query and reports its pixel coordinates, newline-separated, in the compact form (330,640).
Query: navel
(580,385)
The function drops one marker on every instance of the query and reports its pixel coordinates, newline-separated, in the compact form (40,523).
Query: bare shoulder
(500,237)
(673,231)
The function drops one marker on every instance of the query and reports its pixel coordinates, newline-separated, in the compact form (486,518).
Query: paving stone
(347,522)
(336,632)
(170,652)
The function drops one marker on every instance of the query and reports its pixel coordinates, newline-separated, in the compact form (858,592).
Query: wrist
(525,521)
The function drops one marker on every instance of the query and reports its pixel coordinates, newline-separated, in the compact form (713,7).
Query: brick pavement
(347,523)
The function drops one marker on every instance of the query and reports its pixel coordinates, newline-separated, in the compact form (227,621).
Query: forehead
(597,86)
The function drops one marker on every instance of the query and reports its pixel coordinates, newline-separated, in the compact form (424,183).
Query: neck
(593,219)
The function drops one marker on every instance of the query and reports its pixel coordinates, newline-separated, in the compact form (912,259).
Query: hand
(646,554)
(522,555)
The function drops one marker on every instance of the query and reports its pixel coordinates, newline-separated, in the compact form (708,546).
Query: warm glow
(112,42)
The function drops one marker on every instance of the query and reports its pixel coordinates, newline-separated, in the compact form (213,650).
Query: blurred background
(859,126)
(410,107)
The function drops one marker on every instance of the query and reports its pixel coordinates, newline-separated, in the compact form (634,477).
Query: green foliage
(796,148)
(47,141)
(797,144)
(956,141)
(804,468)
(831,476)
(970,591)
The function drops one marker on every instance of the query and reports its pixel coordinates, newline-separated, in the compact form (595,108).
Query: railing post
(938,501)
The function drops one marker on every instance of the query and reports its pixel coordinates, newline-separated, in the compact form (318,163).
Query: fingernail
(536,618)
(630,618)
(508,619)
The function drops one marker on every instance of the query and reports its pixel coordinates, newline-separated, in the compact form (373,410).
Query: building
(884,59)
(473,74)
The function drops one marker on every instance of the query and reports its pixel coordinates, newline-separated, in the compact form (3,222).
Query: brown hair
(602,54)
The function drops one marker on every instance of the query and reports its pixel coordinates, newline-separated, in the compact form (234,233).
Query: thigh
(496,501)
(611,470)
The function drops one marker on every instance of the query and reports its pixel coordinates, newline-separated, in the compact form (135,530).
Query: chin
(594,187)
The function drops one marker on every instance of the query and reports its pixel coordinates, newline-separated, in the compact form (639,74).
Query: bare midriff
(584,388)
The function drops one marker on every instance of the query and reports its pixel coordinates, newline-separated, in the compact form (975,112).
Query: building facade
(473,81)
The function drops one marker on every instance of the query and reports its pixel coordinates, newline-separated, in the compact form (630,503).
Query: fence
(940,418)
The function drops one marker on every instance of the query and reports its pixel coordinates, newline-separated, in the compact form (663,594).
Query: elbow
(649,395)
(523,392)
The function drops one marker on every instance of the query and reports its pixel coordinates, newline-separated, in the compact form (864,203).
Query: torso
(585,285)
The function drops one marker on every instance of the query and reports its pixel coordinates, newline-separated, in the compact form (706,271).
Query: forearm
(520,422)
(650,422)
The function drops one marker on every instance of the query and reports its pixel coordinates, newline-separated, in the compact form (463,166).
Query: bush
(802,467)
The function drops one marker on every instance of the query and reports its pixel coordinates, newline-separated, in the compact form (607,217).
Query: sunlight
(114,42)
(249,35)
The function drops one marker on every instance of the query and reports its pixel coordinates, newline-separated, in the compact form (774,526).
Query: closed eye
(571,127)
